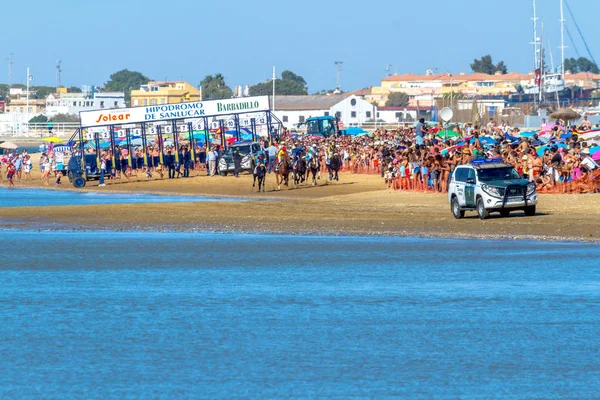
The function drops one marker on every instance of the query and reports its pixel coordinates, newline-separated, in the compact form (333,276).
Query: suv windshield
(493,174)
(243,150)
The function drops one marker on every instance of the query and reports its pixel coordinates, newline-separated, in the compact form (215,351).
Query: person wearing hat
(587,161)
(281,155)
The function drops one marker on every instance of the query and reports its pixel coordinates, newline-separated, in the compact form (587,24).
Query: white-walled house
(393,115)
(73,103)
(350,109)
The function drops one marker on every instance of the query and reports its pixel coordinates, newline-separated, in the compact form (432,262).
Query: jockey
(281,155)
(312,153)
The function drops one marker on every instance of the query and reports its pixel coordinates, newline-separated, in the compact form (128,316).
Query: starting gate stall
(125,129)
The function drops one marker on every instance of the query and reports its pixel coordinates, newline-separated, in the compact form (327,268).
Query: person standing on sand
(10,173)
(212,162)
(18,162)
(102,170)
(237,161)
(272,155)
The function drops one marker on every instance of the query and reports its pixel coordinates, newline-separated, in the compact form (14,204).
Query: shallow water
(145,315)
(18,197)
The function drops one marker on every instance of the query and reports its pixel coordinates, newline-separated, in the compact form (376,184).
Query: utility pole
(339,75)
(273,100)
(29,79)
(58,71)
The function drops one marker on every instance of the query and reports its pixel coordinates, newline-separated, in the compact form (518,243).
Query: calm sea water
(130,315)
(19,197)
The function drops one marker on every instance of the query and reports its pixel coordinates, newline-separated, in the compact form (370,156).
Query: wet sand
(356,205)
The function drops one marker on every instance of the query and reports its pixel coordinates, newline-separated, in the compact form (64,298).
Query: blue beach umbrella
(540,150)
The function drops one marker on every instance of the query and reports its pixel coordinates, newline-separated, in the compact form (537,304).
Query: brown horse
(282,173)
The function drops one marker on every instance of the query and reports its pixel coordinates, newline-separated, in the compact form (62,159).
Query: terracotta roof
(408,77)
(363,92)
(582,76)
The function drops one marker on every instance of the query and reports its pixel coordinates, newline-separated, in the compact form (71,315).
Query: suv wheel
(482,213)
(455,207)
(504,213)
(530,211)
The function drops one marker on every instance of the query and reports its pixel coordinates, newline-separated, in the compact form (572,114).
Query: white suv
(490,186)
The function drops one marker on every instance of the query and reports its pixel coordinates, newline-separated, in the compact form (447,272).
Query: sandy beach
(356,205)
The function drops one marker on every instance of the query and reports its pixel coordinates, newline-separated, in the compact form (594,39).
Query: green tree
(38,119)
(397,99)
(581,64)
(65,118)
(215,88)
(74,89)
(485,65)
(288,75)
(41,92)
(125,81)
(288,84)
(282,88)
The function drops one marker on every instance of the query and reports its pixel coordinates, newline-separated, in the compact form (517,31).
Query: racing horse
(259,173)
(299,169)
(335,163)
(314,168)
(282,172)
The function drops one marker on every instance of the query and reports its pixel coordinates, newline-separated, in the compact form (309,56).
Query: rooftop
(462,77)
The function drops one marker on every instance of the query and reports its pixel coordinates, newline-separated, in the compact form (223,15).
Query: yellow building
(36,106)
(423,88)
(157,93)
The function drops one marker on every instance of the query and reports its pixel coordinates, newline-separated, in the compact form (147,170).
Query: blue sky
(243,39)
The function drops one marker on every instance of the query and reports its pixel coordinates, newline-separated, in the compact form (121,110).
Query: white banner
(122,116)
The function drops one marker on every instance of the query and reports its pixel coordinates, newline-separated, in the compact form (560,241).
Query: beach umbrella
(527,134)
(355,131)
(540,149)
(9,145)
(52,140)
(596,156)
(594,149)
(447,133)
(486,140)
(566,114)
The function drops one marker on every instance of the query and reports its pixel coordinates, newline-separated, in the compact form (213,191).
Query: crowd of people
(418,158)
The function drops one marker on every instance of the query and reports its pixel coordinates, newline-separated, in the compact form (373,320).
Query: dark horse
(282,174)
(313,168)
(299,170)
(335,163)
(259,172)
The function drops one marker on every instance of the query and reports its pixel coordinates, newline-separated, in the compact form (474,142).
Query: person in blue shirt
(420,131)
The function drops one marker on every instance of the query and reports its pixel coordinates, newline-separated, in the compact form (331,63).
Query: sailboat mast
(562,41)
(535,38)
(542,64)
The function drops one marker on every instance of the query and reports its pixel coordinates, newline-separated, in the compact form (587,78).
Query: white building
(73,103)
(350,109)
(393,115)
